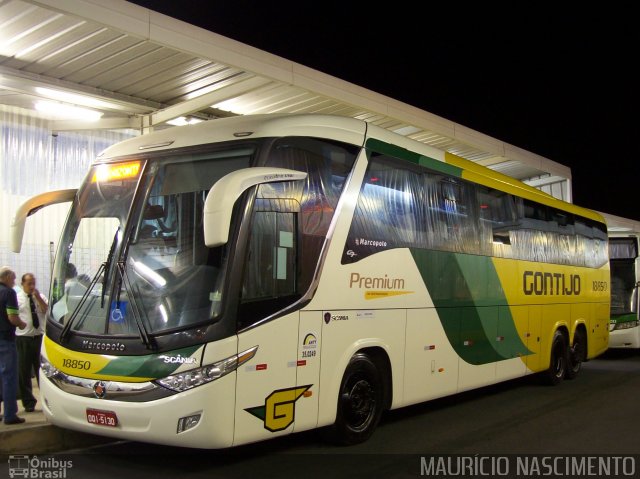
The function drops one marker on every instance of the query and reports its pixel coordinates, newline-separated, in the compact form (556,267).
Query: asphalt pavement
(596,414)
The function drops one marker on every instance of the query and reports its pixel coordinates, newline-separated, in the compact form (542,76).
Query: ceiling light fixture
(67,112)
(73,98)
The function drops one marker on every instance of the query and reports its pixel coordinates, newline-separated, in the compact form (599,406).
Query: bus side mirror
(32,205)
(218,206)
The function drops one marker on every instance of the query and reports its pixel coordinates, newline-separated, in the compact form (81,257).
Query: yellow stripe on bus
(84,365)
(479,174)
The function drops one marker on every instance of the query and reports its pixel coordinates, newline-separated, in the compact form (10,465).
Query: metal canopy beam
(547,180)
(206,100)
(103,124)
(25,82)
(620,225)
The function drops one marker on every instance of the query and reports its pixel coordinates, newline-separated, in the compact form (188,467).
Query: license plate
(102,418)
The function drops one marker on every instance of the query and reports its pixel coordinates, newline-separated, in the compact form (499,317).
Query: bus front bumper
(625,338)
(153,421)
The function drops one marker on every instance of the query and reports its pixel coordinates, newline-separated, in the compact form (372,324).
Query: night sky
(557,83)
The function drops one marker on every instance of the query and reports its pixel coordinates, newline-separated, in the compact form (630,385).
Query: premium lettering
(550,284)
(375,283)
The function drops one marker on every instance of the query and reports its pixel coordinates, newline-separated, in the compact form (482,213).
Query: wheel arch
(330,383)
(582,327)
(564,329)
(381,358)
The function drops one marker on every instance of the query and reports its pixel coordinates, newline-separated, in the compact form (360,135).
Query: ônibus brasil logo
(35,467)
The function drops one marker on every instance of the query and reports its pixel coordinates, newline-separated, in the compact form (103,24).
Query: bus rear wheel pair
(566,361)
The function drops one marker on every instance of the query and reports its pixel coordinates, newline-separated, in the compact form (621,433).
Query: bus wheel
(577,354)
(360,401)
(559,359)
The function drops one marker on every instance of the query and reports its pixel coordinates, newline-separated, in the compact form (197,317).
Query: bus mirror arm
(218,206)
(32,205)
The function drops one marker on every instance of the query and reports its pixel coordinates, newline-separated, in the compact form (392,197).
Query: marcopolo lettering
(550,284)
(368,242)
(375,283)
(101,346)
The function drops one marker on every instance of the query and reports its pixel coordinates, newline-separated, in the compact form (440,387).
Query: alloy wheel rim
(360,403)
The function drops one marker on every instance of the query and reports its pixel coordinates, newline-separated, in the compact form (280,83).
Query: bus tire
(360,402)
(577,354)
(559,361)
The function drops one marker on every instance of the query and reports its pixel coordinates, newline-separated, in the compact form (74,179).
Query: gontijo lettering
(554,284)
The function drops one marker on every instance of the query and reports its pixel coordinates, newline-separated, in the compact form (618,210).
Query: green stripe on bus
(624,318)
(378,146)
(469,298)
(148,366)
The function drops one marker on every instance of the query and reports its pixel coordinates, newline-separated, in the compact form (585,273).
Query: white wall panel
(33,160)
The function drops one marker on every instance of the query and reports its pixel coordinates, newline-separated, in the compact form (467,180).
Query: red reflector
(431,346)
(302,362)
(468,342)
(440,370)
(307,394)
(500,338)
(261,367)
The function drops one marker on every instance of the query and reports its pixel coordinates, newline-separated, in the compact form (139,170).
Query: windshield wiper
(107,267)
(104,268)
(146,339)
(74,315)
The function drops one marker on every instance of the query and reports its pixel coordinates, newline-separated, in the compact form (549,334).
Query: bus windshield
(92,234)
(147,231)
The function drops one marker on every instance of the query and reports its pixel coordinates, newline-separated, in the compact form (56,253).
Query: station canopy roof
(141,69)
(621,226)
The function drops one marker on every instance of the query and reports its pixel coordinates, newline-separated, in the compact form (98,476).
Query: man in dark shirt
(9,321)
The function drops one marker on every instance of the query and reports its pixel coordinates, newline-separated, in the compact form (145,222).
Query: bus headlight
(197,377)
(48,369)
(625,325)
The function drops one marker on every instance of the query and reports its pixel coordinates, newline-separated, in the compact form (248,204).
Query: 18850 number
(600,285)
(76,364)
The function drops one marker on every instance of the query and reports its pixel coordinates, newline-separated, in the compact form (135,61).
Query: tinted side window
(389,213)
(327,164)
(290,221)
(403,205)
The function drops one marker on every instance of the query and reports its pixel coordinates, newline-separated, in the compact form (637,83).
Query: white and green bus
(623,254)
(245,278)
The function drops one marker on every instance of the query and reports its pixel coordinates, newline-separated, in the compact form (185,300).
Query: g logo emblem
(279,410)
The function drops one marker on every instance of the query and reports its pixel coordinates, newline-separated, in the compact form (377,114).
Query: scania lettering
(178,359)
(245,278)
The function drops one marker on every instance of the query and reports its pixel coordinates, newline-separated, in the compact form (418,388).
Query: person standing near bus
(9,321)
(32,307)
